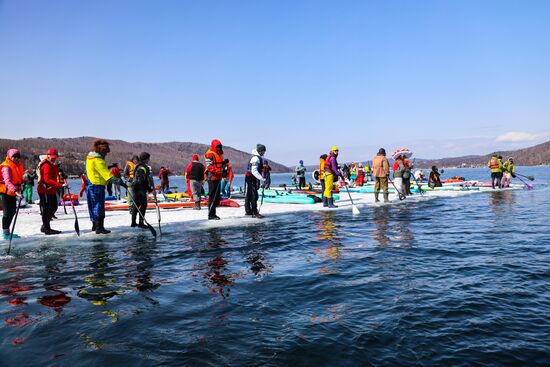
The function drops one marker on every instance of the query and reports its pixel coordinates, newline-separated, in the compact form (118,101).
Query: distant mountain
(174,155)
(532,156)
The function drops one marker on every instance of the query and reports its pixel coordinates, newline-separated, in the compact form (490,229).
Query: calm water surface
(449,281)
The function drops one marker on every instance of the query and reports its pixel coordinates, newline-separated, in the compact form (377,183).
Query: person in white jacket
(253,179)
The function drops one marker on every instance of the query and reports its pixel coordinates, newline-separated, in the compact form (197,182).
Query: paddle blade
(153,232)
(355,210)
(76,227)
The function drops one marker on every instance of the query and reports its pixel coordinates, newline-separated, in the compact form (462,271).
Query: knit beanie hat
(144,156)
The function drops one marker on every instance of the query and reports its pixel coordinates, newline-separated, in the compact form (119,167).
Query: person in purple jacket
(331,174)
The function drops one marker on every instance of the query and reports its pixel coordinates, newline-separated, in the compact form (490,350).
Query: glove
(513,175)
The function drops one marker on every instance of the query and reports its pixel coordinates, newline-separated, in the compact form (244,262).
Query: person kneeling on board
(141,186)
(253,178)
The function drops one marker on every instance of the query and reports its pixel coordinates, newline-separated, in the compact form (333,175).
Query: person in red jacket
(214,167)
(163,177)
(47,190)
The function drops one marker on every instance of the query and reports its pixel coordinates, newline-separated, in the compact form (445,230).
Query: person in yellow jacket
(509,171)
(495,165)
(332,172)
(98,176)
(322,161)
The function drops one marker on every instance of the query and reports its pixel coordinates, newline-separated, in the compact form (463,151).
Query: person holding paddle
(48,185)
(331,173)
(141,186)
(11,179)
(253,179)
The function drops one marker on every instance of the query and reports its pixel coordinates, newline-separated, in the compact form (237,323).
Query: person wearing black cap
(253,178)
(141,186)
(381,170)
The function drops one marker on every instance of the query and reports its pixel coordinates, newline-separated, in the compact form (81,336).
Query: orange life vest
(132,166)
(17,171)
(494,164)
(217,164)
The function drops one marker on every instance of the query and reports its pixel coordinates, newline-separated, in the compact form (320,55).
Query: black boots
(331,203)
(141,224)
(325,202)
(386,197)
(197,205)
(376,200)
(99,226)
(134,216)
(47,230)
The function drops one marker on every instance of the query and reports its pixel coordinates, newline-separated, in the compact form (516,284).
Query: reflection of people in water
(256,257)
(141,254)
(328,234)
(381,215)
(11,292)
(54,283)
(217,277)
(100,290)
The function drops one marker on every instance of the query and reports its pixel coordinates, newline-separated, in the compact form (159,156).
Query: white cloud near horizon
(517,136)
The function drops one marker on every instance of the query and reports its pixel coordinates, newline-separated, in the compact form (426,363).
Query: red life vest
(217,164)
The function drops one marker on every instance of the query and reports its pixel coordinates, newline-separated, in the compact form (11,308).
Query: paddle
(529,187)
(401,196)
(354,209)
(63,198)
(262,201)
(530,178)
(158,210)
(76,226)
(131,197)
(13,225)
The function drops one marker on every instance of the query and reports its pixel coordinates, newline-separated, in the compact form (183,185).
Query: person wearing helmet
(253,179)
(301,174)
(381,170)
(331,174)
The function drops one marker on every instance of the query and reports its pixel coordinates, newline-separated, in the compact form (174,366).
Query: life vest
(260,167)
(17,171)
(322,163)
(141,181)
(494,163)
(215,168)
(132,166)
(196,172)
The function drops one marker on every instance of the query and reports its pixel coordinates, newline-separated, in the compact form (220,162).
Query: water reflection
(100,288)
(256,257)
(403,236)
(54,284)
(217,277)
(381,216)
(140,252)
(329,234)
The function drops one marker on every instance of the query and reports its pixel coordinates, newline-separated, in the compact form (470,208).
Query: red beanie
(196,157)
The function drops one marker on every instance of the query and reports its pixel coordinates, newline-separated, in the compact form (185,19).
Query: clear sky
(443,78)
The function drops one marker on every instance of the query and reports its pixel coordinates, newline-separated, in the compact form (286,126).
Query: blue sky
(443,78)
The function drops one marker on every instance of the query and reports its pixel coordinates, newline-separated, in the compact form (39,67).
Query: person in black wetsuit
(142,185)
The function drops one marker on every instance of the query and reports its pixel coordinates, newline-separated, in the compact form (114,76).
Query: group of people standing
(501,172)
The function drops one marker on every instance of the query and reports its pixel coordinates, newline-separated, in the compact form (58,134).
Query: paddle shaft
(131,197)
(158,210)
(401,196)
(76,226)
(530,178)
(14,221)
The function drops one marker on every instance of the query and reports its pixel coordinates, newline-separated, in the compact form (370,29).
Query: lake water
(449,281)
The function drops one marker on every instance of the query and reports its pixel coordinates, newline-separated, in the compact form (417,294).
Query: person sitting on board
(47,190)
(495,165)
(301,174)
(98,177)
(141,186)
(11,179)
(331,174)
(433,178)
(253,178)
(381,170)
(509,171)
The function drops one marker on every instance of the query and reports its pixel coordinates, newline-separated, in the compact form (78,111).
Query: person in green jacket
(28,185)
(509,171)
(495,165)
